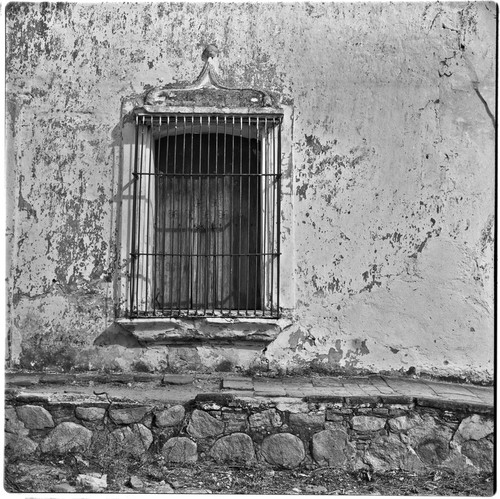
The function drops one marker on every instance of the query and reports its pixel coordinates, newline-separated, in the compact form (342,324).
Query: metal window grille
(206,216)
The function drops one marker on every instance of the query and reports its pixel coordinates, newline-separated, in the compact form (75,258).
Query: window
(206,215)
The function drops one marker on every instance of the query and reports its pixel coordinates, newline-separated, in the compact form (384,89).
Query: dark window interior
(207,224)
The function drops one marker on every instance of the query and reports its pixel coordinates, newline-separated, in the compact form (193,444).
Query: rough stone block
(404,423)
(235,448)
(217,398)
(130,440)
(180,450)
(135,482)
(202,425)
(235,422)
(475,427)
(67,437)
(93,482)
(35,417)
(429,438)
(381,411)
(284,450)
(18,446)
(269,418)
(433,450)
(330,416)
(480,452)
(13,424)
(292,405)
(63,488)
(90,413)
(335,425)
(367,423)
(128,415)
(172,416)
(389,453)
(338,411)
(312,422)
(328,447)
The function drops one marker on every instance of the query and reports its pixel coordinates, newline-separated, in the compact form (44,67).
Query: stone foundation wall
(287,434)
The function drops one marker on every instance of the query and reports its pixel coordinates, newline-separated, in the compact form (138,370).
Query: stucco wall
(388,192)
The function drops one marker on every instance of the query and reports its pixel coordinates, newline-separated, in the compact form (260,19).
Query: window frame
(138,301)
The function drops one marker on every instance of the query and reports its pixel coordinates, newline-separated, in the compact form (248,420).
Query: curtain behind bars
(207,223)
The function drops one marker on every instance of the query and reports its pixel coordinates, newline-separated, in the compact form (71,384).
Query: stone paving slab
(237,384)
(169,388)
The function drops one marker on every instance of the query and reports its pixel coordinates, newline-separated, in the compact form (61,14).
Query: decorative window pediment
(207,94)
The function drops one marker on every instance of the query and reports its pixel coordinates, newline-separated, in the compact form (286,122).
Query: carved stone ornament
(206,93)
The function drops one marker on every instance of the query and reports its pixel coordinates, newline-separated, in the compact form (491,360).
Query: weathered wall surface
(389,173)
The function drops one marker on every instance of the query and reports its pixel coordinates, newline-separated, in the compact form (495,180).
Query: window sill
(168,331)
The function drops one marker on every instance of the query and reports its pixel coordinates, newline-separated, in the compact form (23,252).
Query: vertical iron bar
(265,218)
(190,227)
(180,242)
(161,222)
(139,257)
(249,182)
(232,218)
(278,229)
(198,215)
(148,204)
(258,248)
(172,218)
(223,291)
(239,213)
(273,220)
(133,248)
(207,241)
(216,217)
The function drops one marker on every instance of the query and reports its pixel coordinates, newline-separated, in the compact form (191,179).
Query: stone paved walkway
(182,388)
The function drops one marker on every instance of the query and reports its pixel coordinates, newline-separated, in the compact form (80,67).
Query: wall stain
(24,205)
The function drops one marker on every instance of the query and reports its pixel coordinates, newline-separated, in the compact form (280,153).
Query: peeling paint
(388,167)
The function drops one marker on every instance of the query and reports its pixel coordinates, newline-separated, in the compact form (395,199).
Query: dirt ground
(154,476)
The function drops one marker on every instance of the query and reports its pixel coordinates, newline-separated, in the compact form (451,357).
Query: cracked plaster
(388,168)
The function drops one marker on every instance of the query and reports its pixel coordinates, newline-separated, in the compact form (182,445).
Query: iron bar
(139,261)
(133,254)
(159,189)
(231,227)
(278,221)
(164,189)
(216,219)
(256,219)
(148,205)
(198,219)
(240,219)
(265,216)
(180,232)
(223,287)
(248,277)
(177,174)
(191,223)
(207,224)
(273,222)
(171,217)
